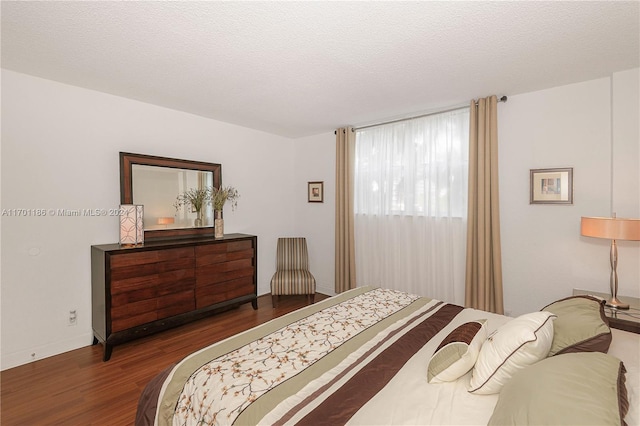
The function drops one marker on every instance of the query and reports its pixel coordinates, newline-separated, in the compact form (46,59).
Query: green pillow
(580,326)
(585,388)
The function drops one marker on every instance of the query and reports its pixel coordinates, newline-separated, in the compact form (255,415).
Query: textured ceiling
(304,68)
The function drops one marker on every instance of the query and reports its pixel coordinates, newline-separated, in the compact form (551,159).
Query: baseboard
(45,351)
(325,290)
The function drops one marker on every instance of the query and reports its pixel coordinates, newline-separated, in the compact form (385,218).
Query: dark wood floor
(77,388)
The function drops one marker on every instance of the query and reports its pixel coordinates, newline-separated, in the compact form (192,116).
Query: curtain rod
(501,99)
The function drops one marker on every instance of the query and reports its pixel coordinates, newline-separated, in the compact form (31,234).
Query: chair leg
(274,300)
(313,297)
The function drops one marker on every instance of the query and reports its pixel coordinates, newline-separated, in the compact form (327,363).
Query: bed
(373,356)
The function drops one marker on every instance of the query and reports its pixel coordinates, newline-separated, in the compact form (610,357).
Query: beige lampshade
(612,228)
(166,220)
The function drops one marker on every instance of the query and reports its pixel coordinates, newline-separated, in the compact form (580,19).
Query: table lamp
(166,221)
(612,228)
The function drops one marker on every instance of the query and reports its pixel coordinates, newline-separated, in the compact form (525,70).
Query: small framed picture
(316,192)
(551,186)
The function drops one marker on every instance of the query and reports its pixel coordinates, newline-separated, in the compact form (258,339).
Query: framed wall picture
(316,192)
(551,186)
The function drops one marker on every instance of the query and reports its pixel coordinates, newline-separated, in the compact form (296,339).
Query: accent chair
(292,270)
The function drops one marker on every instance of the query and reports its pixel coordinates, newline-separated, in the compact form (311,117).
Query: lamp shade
(165,220)
(611,228)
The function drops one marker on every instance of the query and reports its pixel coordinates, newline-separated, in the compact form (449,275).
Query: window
(416,167)
(410,203)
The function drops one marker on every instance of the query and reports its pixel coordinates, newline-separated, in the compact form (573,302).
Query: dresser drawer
(133,309)
(219,292)
(212,258)
(136,277)
(175,304)
(141,270)
(161,285)
(125,259)
(224,247)
(123,285)
(133,321)
(176,281)
(177,264)
(132,296)
(216,253)
(133,314)
(222,272)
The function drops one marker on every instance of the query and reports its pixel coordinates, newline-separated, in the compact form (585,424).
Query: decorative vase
(218,224)
(198,220)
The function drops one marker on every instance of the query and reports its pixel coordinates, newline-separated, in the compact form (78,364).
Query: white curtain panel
(411,180)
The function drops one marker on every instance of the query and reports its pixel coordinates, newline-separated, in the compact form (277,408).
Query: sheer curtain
(411,205)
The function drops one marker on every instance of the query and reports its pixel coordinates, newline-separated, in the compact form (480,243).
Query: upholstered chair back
(292,254)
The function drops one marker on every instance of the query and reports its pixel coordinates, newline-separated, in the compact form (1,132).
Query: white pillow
(457,352)
(517,344)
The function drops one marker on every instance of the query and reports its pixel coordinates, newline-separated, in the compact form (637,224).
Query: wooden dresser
(139,291)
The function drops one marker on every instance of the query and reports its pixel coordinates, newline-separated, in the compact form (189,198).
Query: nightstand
(622,319)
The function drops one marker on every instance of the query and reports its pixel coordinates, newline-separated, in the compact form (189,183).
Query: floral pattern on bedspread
(220,390)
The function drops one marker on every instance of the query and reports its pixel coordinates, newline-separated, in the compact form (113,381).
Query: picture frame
(315,192)
(551,186)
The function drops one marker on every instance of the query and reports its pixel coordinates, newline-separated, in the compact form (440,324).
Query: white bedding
(406,398)
(410,400)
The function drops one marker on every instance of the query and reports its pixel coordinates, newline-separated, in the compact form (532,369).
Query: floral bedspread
(221,389)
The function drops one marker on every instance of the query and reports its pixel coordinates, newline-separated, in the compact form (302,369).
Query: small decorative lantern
(131,225)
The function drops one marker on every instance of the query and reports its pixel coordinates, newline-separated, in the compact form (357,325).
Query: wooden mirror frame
(127,160)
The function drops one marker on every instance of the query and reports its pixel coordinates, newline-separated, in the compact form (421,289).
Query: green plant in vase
(219,196)
(197,199)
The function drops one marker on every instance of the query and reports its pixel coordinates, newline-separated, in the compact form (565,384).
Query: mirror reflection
(157,188)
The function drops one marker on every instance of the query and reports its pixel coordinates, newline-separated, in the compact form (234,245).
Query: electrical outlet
(73,318)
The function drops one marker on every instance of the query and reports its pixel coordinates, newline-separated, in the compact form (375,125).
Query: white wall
(60,148)
(626,148)
(626,172)
(315,159)
(544,256)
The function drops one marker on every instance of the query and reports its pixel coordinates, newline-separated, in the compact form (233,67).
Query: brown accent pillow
(580,326)
(457,353)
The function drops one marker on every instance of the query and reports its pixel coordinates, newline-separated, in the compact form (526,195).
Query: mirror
(155,182)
